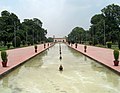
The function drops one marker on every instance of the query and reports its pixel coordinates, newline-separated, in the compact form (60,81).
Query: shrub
(99,45)
(85,47)
(28,43)
(16,41)
(75,45)
(119,43)
(90,42)
(109,44)
(72,42)
(8,45)
(69,42)
(44,45)
(116,55)
(4,56)
(35,46)
(23,42)
(82,42)
(30,39)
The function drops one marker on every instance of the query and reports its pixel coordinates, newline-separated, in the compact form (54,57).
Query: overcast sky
(59,17)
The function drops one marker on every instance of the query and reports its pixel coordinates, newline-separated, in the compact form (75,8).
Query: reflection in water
(85,58)
(37,61)
(80,75)
(5,82)
(97,67)
(110,76)
(76,54)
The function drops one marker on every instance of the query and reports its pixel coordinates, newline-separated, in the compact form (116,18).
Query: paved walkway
(102,55)
(20,55)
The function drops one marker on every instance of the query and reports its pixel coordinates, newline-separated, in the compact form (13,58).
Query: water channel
(80,75)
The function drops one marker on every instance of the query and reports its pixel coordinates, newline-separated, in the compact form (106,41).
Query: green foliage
(99,45)
(90,42)
(119,42)
(28,43)
(109,44)
(50,39)
(30,39)
(16,41)
(75,45)
(96,18)
(76,35)
(119,45)
(33,28)
(116,55)
(4,56)
(106,24)
(4,36)
(9,22)
(85,47)
(10,26)
(35,46)
(8,45)
(23,42)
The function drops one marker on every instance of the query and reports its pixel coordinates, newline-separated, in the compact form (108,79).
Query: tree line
(105,27)
(13,31)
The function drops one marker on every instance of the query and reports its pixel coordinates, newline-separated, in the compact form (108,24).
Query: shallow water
(80,75)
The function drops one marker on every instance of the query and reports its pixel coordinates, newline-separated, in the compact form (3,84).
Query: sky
(59,17)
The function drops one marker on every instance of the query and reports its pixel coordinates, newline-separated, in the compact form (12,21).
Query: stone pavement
(102,55)
(18,56)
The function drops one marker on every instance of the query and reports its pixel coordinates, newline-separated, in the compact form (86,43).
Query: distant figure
(61,68)
(60,57)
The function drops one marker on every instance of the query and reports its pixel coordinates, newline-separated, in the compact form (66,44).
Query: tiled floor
(20,55)
(102,55)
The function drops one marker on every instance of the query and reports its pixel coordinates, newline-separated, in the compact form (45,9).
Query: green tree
(34,28)
(16,41)
(76,35)
(112,19)
(106,26)
(10,27)
(97,29)
(50,39)
(30,39)
(8,24)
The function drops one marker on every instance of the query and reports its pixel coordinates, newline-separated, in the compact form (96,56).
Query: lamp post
(15,33)
(93,34)
(26,36)
(33,35)
(85,37)
(104,34)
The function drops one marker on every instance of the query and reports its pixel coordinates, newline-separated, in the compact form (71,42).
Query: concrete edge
(20,64)
(95,60)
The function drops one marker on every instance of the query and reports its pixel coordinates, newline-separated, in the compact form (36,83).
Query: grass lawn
(11,47)
(113,46)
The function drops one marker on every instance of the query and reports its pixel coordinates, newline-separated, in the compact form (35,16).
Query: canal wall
(103,56)
(19,56)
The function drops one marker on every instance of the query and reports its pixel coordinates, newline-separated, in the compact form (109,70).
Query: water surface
(80,75)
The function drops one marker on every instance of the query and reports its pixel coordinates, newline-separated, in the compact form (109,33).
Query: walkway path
(19,56)
(102,55)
